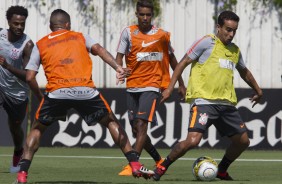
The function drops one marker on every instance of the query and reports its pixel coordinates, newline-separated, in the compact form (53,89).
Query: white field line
(142,158)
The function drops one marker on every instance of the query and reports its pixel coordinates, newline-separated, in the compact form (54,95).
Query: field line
(142,158)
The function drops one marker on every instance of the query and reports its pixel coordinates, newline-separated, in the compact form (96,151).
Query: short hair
(17,10)
(227,15)
(145,3)
(65,17)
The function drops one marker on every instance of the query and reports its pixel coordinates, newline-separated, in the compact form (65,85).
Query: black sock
(19,152)
(224,164)
(132,156)
(154,154)
(167,162)
(24,165)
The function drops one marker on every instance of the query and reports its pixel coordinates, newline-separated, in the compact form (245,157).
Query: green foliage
(226,5)
(87,10)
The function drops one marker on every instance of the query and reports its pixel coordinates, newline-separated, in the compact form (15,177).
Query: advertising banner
(264,123)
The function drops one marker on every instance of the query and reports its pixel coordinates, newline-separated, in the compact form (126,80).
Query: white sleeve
(89,42)
(124,42)
(241,63)
(34,61)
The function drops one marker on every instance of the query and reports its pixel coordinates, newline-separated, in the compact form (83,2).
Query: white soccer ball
(205,168)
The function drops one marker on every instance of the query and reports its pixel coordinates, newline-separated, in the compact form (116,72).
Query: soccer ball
(205,168)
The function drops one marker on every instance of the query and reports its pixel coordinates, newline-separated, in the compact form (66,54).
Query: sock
(224,164)
(19,152)
(24,165)
(154,154)
(132,156)
(167,162)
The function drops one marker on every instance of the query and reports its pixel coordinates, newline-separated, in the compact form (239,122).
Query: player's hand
(165,95)
(181,92)
(120,75)
(256,99)
(127,71)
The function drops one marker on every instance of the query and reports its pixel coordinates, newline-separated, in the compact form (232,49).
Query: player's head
(227,24)
(60,19)
(16,16)
(144,13)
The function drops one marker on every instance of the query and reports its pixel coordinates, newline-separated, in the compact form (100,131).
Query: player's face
(227,31)
(144,16)
(17,24)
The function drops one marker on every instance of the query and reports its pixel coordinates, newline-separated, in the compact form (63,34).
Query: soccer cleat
(22,178)
(139,170)
(127,171)
(14,168)
(224,176)
(158,163)
(159,171)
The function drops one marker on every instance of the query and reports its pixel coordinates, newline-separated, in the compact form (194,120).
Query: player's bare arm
(185,61)
(97,49)
(119,59)
(31,81)
(248,77)
(20,73)
(181,87)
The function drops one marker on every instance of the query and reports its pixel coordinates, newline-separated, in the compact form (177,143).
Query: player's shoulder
(210,37)
(163,31)
(206,39)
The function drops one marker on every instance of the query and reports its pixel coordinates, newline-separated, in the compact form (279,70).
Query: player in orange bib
(148,54)
(64,55)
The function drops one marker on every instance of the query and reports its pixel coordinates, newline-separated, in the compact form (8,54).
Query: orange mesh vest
(147,58)
(65,60)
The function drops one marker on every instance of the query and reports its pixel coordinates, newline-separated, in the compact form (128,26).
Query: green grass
(57,166)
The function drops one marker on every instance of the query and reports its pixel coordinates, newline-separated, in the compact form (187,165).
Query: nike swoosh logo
(51,37)
(149,43)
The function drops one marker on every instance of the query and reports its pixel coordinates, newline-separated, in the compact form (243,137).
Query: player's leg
(117,132)
(140,126)
(180,149)
(98,110)
(148,146)
(231,125)
(152,151)
(49,111)
(144,113)
(30,147)
(16,110)
(18,137)
(198,123)
(239,143)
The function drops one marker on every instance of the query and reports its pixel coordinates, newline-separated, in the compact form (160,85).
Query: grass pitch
(101,166)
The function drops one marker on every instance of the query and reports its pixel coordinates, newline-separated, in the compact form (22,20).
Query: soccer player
(148,54)
(15,50)
(64,55)
(212,95)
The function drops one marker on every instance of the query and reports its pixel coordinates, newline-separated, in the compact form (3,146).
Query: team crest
(135,32)
(15,53)
(203,119)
